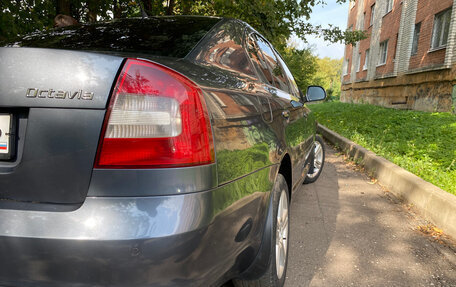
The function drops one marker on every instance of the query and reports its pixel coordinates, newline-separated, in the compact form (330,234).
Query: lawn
(422,143)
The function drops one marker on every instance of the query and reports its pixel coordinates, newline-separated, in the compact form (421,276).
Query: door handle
(286,114)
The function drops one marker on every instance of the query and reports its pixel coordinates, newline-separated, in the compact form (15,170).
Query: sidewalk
(346,231)
(435,204)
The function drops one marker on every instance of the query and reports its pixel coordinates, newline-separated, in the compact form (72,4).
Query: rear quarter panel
(244,139)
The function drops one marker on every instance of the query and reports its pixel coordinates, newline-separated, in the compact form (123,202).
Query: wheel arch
(286,171)
(260,264)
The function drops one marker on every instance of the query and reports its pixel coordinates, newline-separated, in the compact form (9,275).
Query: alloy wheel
(318,160)
(282,234)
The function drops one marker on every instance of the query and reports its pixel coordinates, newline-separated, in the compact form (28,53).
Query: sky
(332,13)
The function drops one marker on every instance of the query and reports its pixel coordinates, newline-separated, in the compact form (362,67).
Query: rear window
(158,36)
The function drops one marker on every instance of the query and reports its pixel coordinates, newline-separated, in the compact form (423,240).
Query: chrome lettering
(87,96)
(51,91)
(31,93)
(59,94)
(40,94)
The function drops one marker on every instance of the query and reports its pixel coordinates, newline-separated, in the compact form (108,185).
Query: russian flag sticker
(3,146)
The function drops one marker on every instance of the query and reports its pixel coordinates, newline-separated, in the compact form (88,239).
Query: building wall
(430,91)
(364,45)
(424,81)
(425,14)
(390,32)
(352,17)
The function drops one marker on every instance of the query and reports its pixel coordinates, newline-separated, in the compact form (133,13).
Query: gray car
(160,151)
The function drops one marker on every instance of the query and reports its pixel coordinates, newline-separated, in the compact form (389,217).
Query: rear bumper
(182,240)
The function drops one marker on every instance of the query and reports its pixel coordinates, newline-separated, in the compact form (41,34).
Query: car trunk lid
(57,101)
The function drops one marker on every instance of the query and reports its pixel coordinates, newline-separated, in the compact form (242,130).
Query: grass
(422,143)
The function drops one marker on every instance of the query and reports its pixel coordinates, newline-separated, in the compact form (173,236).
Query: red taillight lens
(156,118)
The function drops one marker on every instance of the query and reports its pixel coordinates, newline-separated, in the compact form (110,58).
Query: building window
(389,6)
(395,48)
(366,60)
(441,29)
(383,53)
(346,64)
(372,18)
(358,63)
(416,37)
(363,22)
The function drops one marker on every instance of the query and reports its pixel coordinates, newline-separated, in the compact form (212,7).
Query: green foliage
(20,17)
(277,20)
(302,64)
(423,143)
(25,16)
(328,75)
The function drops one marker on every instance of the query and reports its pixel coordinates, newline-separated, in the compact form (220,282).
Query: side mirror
(315,93)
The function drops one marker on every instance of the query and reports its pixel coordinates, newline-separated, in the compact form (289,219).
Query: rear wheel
(278,257)
(318,160)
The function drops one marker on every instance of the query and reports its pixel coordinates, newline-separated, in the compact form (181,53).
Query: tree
(19,17)
(275,19)
(302,64)
(328,75)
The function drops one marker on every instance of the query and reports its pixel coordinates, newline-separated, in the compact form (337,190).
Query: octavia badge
(59,94)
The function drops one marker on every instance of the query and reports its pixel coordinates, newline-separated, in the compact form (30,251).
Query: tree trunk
(63,7)
(92,13)
(117,10)
(170,10)
(148,7)
(186,7)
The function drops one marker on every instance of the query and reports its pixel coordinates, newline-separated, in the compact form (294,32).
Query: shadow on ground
(346,231)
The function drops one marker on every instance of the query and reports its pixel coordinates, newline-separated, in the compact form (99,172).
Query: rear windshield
(158,36)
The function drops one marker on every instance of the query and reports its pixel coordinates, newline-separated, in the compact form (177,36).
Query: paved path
(346,231)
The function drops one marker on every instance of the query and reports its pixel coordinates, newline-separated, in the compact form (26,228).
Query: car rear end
(108,174)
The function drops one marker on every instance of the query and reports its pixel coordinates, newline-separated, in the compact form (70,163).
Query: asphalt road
(347,231)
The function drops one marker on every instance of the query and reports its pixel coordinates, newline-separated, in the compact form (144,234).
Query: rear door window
(292,83)
(259,62)
(224,48)
(278,76)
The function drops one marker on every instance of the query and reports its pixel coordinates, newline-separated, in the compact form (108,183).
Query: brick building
(409,59)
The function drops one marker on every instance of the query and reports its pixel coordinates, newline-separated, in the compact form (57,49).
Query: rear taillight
(156,118)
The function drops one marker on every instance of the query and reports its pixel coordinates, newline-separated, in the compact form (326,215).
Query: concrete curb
(435,204)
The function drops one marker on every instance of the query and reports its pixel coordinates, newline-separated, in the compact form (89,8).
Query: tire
(278,256)
(317,161)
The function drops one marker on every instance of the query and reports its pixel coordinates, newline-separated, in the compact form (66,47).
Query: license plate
(5,136)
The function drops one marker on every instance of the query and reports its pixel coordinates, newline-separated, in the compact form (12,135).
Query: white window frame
(416,38)
(372,17)
(389,6)
(441,25)
(363,22)
(358,63)
(346,63)
(366,60)
(383,53)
